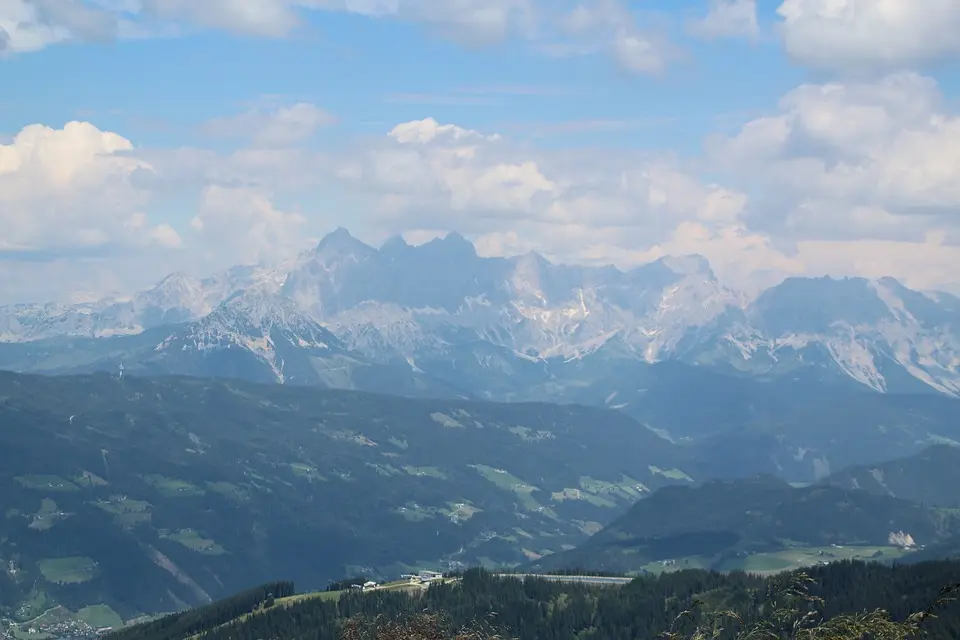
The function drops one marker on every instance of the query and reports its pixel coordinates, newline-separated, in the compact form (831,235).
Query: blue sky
(373,73)
(761,134)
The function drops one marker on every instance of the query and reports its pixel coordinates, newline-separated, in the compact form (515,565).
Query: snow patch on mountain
(441,301)
(175,299)
(854,358)
(254,322)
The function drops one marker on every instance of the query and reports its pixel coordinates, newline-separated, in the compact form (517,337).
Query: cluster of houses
(422,577)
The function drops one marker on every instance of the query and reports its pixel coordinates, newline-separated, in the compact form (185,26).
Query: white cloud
(866,35)
(31,25)
(599,26)
(76,279)
(72,188)
(610,26)
(166,236)
(271,18)
(75,198)
(854,178)
(21,30)
(431,176)
(82,20)
(279,127)
(848,179)
(241,225)
(472,22)
(861,160)
(728,19)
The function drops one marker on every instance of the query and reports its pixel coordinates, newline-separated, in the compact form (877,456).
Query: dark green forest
(537,609)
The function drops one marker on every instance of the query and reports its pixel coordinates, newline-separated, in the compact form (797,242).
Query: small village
(69,629)
(58,630)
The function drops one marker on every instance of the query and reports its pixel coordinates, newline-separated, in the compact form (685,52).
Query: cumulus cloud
(31,25)
(21,29)
(844,179)
(728,19)
(859,160)
(867,35)
(859,177)
(242,225)
(73,188)
(78,196)
(433,176)
(840,178)
(279,127)
(575,206)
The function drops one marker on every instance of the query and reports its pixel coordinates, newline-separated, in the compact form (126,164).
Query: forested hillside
(759,524)
(150,495)
(931,477)
(537,609)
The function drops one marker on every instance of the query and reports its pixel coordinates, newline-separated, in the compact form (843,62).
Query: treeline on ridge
(195,621)
(540,609)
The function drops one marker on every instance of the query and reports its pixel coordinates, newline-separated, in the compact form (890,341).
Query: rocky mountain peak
(429,302)
(692,264)
(452,246)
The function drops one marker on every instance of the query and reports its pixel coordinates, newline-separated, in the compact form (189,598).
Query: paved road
(587,579)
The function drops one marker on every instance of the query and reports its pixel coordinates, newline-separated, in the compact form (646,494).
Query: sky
(775,137)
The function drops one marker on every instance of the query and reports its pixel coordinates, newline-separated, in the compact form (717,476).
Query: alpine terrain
(438,318)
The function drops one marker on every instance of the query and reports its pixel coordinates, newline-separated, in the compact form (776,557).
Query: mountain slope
(801,427)
(426,306)
(252,335)
(146,493)
(176,298)
(881,334)
(931,477)
(718,521)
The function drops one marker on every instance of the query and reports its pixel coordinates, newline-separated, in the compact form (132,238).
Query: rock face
(440,304)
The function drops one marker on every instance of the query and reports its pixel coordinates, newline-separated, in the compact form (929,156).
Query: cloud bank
(855,173)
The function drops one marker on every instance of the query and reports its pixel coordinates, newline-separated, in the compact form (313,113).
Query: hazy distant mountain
(931,477)
(759,524)
(494,326)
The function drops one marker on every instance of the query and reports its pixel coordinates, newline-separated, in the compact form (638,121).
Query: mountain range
(810,376)
(437,318)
